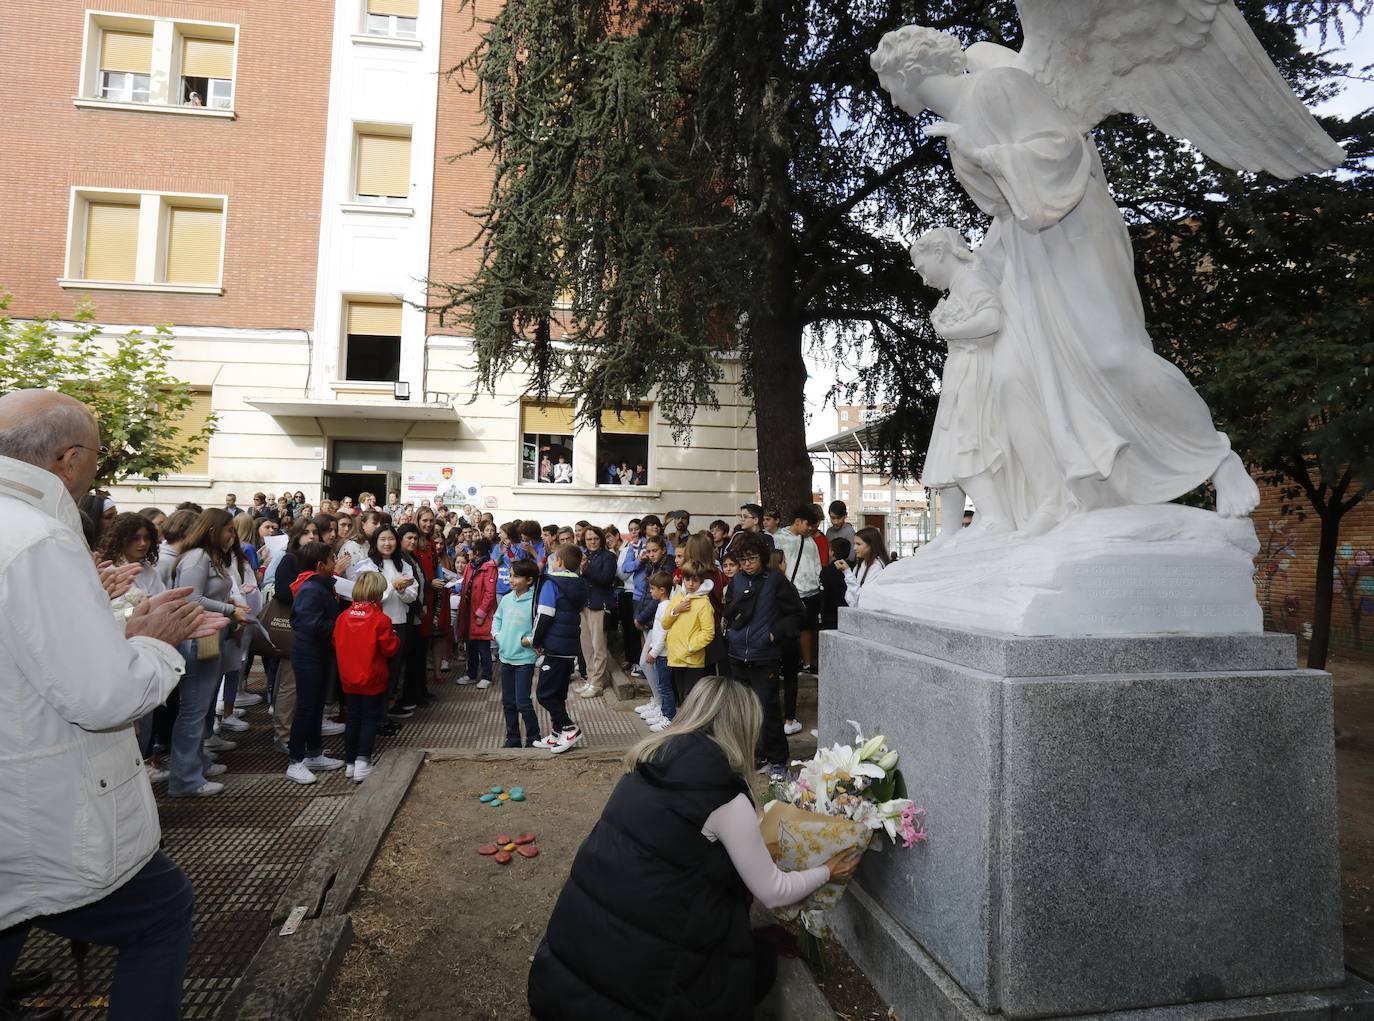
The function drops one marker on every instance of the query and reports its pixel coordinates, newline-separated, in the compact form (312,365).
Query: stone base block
(1114,823)
(918,989)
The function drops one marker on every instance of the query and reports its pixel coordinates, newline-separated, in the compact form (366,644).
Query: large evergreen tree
(680,179)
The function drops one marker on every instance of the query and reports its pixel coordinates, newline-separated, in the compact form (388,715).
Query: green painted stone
(517,794)
(486,799)
(496,803)
(498,790)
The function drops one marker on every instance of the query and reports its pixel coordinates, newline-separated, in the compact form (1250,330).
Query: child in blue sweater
(513,629)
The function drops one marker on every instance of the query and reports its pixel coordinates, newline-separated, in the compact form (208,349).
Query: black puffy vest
(653,921)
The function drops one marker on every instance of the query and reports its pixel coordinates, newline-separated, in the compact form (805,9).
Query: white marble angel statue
(1093,417)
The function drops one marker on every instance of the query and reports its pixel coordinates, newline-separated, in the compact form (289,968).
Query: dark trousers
(365,715)
(396,665)
(629,634)
(479,658)
(763,679)
(416,652)
(685,679)
(311,679)
(148,920)
(517,683)
(163,718)
(791,667)
(554,674)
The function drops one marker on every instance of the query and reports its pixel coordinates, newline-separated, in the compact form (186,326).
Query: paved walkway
(242,848)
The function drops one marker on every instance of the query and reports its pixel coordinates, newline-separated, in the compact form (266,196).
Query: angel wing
(1193,67)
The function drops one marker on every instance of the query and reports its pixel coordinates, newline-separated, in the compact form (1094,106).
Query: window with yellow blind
(207,72)
(126,62)
(111,248)
(395,18)
(193,245)
(372,341)
(383,168)
(546,442)
(622,447)
(190,422)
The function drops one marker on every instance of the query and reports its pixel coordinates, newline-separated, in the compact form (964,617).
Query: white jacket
(803,555)
(857,577)
(77,817)
(395,604)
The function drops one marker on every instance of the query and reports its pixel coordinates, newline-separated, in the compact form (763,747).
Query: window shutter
(207,58)
(628,421)
(190,422)
(374,319)
(401,8)
(126,51)
(554,419)
(111,241)
(193,241)
(383,165)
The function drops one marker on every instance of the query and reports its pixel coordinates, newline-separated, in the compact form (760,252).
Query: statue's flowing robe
(1091,415)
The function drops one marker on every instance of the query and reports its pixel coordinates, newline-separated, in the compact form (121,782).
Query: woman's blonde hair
(726,711)
(246,528)
(369,588)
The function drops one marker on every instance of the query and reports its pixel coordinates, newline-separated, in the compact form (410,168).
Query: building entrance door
(362,466)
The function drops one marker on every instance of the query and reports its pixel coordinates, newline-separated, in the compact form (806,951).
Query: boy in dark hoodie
(558,638)
(314,608)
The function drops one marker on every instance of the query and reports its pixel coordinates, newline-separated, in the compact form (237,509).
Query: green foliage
(702,175)
(124,381)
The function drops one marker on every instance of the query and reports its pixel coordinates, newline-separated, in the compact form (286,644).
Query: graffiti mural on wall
(1353,580)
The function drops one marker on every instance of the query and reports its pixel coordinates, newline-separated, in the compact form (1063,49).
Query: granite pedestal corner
(1115,823)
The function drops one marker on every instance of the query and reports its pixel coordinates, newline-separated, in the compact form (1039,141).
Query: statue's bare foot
(1040,523)
(1237,494)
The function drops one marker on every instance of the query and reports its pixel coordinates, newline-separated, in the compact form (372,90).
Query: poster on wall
(441,484)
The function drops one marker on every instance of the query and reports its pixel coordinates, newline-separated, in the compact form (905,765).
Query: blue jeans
(517,683)
(657,674)
(479,658)
(365,715)
(148,920)
(198,688)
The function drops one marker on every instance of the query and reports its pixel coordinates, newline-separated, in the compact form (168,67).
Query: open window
(546,443)
(622,447)
(394,18)
(207,72)
(372,341)
(169,65)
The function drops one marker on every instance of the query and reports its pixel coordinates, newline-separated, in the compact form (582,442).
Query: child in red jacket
(475,613)
(363,641)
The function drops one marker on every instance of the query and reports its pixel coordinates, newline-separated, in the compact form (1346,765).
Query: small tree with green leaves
(126,383)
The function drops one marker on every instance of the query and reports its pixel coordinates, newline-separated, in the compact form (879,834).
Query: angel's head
(937,253)
(906,56)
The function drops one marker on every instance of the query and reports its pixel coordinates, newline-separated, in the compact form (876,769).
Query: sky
(1358,50)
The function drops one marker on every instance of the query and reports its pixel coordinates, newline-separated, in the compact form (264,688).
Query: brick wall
(1286,573)
(461,186)
(268,161)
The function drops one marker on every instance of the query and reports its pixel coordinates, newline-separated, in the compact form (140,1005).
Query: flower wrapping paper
(798,839)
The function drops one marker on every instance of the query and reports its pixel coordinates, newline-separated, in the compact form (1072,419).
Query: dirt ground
(1353,683)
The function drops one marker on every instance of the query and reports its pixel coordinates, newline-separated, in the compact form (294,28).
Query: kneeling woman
(654,919)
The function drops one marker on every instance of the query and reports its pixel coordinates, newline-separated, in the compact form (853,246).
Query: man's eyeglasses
(102,450)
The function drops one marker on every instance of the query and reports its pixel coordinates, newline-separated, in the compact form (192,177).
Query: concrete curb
(795,995)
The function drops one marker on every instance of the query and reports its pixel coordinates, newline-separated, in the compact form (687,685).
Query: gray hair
(51,430)
(913,52)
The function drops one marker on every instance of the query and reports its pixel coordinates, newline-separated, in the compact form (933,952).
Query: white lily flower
(871,749)
(888,761)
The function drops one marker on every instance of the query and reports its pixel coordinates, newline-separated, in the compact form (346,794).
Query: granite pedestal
(1115,824)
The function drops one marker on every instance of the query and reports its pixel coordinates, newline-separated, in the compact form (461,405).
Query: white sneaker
(348,771)
(215,743)
(590,692)
(217,769)
(647,709)
(565,739)
(329,728)
(660,726)
(299,772)
(792,727)
(231,723)
(443,664)
(208,789)
(655,718)
(247,700)
(156,775)
(465,679)
(483,683)
(362,770)
(323,763)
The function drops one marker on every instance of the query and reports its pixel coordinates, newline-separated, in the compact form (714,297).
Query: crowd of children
(362,607)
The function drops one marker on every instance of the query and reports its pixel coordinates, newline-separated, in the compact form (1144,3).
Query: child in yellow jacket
(690,624)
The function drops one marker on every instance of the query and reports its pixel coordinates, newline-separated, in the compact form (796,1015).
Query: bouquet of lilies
(837,800)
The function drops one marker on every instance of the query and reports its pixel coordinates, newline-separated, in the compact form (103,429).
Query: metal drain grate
(241,848)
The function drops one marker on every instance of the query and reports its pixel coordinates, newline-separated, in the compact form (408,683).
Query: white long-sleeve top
(857,577)
(736,827)
(395,604)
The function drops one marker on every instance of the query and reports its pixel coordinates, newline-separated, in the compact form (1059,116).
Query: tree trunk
(779,373)
(1319,647)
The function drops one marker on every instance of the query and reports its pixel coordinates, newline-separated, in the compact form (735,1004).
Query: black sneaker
(389,729)
(400,712)
(515,743)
